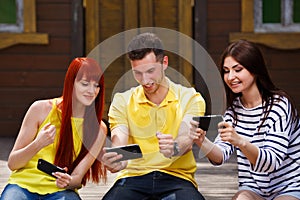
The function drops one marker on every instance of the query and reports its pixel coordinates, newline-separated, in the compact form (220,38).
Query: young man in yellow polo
(156,115)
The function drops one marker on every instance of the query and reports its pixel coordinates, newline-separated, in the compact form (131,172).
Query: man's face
(149,73)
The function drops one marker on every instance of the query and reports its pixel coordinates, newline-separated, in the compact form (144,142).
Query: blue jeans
(14,192)
(153,186)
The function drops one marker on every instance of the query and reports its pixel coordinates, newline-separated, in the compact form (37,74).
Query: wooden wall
(223,18)
(31,72)
(117,16)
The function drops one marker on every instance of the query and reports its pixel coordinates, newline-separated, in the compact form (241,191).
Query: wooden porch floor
(215,183)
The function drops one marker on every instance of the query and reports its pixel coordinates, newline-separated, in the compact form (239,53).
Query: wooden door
(106,18)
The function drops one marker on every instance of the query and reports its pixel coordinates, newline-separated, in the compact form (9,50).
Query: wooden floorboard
(215,183)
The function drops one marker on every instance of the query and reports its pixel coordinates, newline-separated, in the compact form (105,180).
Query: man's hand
(166,144)
(110,160)
(196,134)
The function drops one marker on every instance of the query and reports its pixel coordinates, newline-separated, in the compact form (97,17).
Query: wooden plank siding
(116,17)
(31,72)
(283,65)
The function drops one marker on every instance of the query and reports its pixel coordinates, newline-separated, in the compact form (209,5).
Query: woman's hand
(228,134)
(63,180)
(46,135)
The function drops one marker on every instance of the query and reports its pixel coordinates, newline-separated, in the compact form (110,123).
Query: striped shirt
(277,168)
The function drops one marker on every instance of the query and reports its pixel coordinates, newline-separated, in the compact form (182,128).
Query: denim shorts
(13,191)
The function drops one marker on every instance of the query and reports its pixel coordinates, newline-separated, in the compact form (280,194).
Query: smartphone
(129,152)
(209,122)
(48,167)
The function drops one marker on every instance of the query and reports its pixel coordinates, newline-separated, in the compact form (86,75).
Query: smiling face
(149,73)
(85,91)
(237,77)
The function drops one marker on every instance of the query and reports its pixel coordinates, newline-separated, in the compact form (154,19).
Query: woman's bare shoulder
(41,108)
(42,104)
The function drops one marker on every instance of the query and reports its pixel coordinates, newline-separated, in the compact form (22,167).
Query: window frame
(286,24)
(29,34)
(279,40)
(18,27)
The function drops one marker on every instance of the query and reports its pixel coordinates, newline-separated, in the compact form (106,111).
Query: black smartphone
(48,167)
(129,152)
(209,122)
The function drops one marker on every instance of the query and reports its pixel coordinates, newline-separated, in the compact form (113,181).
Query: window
(270,22)
(18,23)
(277,16)
(11,19)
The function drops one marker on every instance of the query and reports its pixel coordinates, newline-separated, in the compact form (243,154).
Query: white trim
(286,25)
(19,26)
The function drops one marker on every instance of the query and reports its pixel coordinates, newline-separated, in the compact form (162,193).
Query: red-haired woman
(66,131)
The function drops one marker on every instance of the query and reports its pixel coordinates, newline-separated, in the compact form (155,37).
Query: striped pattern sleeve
(226,148)
(276,137)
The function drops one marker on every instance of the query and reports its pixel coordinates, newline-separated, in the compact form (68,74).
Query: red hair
(92,119)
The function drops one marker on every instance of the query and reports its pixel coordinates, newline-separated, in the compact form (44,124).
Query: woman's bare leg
(286,197)
(246,195)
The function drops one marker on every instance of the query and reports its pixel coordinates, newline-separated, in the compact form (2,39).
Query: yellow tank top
(29,176)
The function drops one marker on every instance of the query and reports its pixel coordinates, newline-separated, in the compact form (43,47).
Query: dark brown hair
(249,56)
(143,44)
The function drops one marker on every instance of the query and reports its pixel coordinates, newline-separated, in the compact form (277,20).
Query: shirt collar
(171,96)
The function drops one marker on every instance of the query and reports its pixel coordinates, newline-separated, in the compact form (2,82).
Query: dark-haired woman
(66,131)
(261,124)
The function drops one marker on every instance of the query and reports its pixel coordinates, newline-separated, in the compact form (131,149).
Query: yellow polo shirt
(144,118)
(29,176)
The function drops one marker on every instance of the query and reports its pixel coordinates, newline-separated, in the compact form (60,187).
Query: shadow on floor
(6,144)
